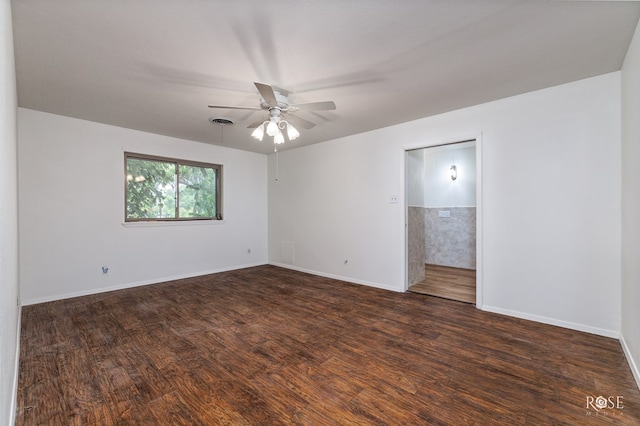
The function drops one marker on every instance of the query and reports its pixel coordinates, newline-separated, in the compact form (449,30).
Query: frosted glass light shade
(278,138)
(258,133)
(292,132)
(272,128)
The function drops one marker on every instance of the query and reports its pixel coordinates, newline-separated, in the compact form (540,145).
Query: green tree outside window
(169,189)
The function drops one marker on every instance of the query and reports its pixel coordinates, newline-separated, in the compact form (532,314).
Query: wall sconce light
(454,172)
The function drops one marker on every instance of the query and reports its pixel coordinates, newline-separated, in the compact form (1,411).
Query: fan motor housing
(283,101)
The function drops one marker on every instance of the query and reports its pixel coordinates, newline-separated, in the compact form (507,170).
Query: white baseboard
(537,318)
(337,277)
(630,360)
(16,372)
(552,321)
(89,292)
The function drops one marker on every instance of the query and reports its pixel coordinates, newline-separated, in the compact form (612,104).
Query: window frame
(177,162)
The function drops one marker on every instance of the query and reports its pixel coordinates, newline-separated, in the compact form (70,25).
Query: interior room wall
(416,248)
(9,294)
(71,211)
(415,178)
(439,189)
(551,197)
(631,205)
(449,207)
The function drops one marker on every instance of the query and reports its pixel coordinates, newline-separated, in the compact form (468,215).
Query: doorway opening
(441,211)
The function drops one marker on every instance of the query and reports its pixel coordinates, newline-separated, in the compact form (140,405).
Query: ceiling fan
(276,102)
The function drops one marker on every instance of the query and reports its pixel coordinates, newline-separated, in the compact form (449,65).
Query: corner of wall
(16,372)
(632,364)
(9,283)
(630,211)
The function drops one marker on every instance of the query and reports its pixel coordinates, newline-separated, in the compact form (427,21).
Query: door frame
(479,206)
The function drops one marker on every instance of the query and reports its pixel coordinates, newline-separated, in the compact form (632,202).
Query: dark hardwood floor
(448,282)
(268,346)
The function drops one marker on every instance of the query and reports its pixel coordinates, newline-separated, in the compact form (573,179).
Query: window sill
(153,224)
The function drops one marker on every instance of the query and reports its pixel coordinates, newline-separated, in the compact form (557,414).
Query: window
(166,189)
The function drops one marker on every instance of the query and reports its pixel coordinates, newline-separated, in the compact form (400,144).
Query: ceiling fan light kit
(272,127)
(292,132)
(278,138)
(278,106)
(258,133)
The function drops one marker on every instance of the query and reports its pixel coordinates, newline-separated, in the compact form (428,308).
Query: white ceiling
(155,65)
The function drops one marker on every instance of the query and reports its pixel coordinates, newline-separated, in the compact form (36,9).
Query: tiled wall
(450,241)
(416,239)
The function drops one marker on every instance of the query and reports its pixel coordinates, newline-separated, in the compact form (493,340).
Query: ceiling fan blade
(234,107)
(301,122)
(255,124)
(316,106)
(267,94)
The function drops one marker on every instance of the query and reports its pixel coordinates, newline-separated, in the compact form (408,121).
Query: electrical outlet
(393,199)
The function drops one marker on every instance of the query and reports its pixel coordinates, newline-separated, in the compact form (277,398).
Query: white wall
(439,189)
(72,210)
(331,203)
(631,205)
(415,178)
(9,312)
(551,197)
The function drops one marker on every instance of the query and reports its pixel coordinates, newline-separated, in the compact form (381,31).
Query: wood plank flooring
(270,346)
(451,283)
